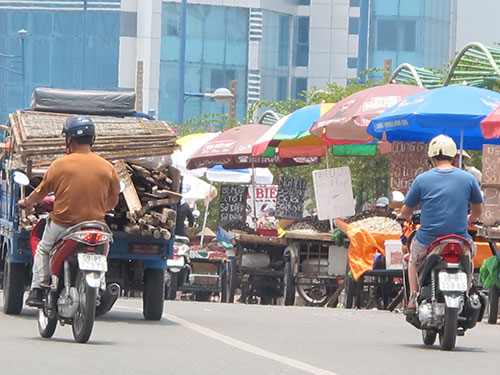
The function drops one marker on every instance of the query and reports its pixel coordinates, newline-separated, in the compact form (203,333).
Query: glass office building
(407,31)
(71,45)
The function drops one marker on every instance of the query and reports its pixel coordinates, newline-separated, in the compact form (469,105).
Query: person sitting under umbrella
(466,159)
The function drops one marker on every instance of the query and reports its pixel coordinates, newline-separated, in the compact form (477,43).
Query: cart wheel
(493,303)
(232,281)
(317,292)
(289,285)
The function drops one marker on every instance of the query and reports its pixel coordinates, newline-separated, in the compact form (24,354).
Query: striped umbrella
(290,136)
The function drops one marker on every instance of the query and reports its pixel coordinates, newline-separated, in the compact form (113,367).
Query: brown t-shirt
(82,182)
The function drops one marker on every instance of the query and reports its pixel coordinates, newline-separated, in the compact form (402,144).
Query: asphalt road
(214,338)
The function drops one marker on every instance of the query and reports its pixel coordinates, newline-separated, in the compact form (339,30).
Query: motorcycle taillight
(452,252)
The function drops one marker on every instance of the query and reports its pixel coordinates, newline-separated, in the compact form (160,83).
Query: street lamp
(221,95)
(22,34)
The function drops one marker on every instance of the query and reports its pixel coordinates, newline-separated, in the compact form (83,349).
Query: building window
(303,2)
(282,91)
(352,62)
(302,56)
(354,25)
(220,78)
(284,40)
(396,35)
(354,3)
(300,85)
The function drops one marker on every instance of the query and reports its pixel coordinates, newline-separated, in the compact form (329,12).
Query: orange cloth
(483,252)
(82,182)
(363,247)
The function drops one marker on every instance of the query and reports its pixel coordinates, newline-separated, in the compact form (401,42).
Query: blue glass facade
(216,53)
(54,49)
(416,32)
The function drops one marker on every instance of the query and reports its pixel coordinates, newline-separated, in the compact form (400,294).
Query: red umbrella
(490,125)
(347,121)
(233,149)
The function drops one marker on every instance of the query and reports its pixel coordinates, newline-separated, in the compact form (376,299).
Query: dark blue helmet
(79,126)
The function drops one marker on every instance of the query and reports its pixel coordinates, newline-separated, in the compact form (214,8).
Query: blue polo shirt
(444,195)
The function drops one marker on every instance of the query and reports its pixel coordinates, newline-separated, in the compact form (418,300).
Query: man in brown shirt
(85,187)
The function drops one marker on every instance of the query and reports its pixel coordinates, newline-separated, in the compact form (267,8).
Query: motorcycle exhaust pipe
(108,298)
(113,289)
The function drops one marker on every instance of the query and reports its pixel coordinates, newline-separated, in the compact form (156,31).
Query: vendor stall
(375,262)
(256,268)
(315,267)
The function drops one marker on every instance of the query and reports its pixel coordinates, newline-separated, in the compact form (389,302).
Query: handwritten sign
(491,165)
(491,184)
(333,191)
(408,160)
(290,202)
(232,206)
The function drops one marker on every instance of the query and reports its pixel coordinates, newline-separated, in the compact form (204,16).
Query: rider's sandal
(411,310)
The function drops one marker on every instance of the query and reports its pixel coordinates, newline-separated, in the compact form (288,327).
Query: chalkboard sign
(408,160)
(290,202)
(491,184)
(233,206)
(333,191)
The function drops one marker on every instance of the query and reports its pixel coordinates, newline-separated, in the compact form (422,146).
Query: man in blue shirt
(444,194)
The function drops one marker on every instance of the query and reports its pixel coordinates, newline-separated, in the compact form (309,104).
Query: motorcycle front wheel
(448,334)
(428,336)
(83,322)
(46,324)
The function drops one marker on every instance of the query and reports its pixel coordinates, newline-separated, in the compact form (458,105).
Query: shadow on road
(436,347)
(132,317)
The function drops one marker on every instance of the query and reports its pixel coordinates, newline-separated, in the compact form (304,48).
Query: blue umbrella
(455,110)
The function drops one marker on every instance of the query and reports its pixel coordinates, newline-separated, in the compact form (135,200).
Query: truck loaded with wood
(142,223)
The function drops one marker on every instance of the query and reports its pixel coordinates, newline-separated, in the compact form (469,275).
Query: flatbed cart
(315,268)
(207,275)
(492,235)
(258,282)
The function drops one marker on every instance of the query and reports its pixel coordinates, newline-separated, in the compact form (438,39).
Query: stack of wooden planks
(38,137)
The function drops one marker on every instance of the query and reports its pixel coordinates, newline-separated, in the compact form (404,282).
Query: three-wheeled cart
(492,235)
(256,268)
(315,267)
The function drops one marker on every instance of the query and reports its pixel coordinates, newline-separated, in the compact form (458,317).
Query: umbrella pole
(253,194)
(328,167)
(326,155)
(205,216)
(461,148)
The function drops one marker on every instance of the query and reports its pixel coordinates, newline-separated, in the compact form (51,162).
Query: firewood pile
(148,197)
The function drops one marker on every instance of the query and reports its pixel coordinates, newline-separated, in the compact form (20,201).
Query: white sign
(265,205)
(333,191)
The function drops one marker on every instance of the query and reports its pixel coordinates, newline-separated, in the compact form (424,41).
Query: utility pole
(139,86)
(233,87)
(387,69)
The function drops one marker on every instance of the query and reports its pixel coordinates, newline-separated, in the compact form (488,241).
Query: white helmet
(442,144)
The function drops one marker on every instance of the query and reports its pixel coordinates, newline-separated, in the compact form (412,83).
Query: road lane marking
(242,345)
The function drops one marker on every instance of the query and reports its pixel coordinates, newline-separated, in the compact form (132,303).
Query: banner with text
(333,191)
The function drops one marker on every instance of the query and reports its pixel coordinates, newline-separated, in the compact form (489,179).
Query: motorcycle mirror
(20,178)
(122,186)
(196,214)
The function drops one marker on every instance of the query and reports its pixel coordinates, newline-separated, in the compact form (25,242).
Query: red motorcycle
(78,264)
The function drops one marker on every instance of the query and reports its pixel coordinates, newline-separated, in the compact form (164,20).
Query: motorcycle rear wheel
(46,324)
(83,322)
(448,335)
(428,336)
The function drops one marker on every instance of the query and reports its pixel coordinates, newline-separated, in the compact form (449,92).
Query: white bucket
(393,254)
